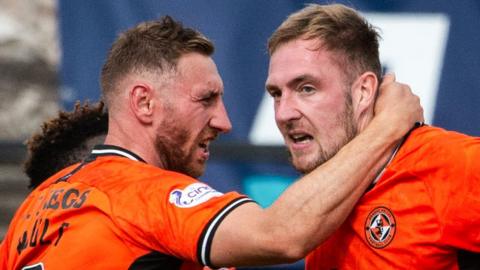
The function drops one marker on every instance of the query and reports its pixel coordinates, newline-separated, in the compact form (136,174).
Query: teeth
(300,138)
(302,141)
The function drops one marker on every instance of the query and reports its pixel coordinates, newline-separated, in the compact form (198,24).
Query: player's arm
(318,203)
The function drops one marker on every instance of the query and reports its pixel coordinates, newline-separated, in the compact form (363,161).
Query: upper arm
(177,216)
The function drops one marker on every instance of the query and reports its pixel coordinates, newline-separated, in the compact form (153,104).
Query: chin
(196,171)
(304,165)
(303,169)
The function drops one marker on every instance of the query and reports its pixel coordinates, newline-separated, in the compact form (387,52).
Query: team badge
(380,227)
(192,195)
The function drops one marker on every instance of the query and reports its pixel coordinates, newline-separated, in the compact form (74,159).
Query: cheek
(197,126)
(197,122)
(323,118)
(276,117)
(327,106)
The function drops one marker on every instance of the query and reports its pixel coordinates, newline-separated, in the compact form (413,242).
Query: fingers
(397,105)
(419,114)
(388,78)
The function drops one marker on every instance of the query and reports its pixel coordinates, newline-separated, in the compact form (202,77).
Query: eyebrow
(270,87)
(292,83)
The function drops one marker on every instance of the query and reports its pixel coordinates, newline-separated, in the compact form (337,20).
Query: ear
(141,98)
(364,92)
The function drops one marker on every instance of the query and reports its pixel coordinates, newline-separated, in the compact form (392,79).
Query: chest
(395,225)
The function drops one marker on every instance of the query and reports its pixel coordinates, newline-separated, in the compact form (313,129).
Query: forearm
(316,205)
(309,210)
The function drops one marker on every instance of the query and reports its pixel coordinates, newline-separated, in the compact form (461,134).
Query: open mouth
(301,138)
(204,146)
(204,143)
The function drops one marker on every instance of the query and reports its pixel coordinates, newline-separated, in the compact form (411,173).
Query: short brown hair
(153,46)
(340,29)
(63,141)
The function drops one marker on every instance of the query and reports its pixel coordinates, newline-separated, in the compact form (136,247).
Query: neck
(363,121)
(133,138)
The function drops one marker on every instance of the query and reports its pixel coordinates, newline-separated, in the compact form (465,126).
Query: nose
(220,120)
(286,109)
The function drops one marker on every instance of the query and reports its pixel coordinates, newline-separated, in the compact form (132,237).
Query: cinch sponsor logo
(193,195)
(380,227)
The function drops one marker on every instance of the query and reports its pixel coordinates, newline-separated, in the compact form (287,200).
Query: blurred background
(51,53)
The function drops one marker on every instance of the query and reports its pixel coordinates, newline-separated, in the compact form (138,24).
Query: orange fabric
(424,207)
(109,213)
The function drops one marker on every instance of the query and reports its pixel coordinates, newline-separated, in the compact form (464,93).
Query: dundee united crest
(380,227)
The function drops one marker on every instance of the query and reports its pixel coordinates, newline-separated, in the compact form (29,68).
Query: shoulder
(436,136)
(124,181)
(443,160)
(438,146)
(130,172)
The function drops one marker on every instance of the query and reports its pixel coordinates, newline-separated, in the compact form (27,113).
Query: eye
(274,93)
(307,89)
(209,99)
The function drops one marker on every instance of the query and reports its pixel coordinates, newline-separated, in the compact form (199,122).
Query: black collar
(102,150)
(394,153)
(112,150)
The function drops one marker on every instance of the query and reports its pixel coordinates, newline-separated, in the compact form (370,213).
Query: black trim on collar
(402,142)
(68,175)
(113,150)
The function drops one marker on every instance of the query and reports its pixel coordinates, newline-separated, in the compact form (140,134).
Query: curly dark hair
(64,140)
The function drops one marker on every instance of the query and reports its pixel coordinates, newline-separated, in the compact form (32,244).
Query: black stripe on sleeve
(206,238)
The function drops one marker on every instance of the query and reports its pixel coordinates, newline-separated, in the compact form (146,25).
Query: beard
(345,119)
(172,147)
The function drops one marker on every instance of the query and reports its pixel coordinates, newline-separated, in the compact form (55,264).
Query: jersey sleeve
(175,215)
(455,191)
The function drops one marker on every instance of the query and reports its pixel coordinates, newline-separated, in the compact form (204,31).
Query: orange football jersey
(114,211)
(423,209)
